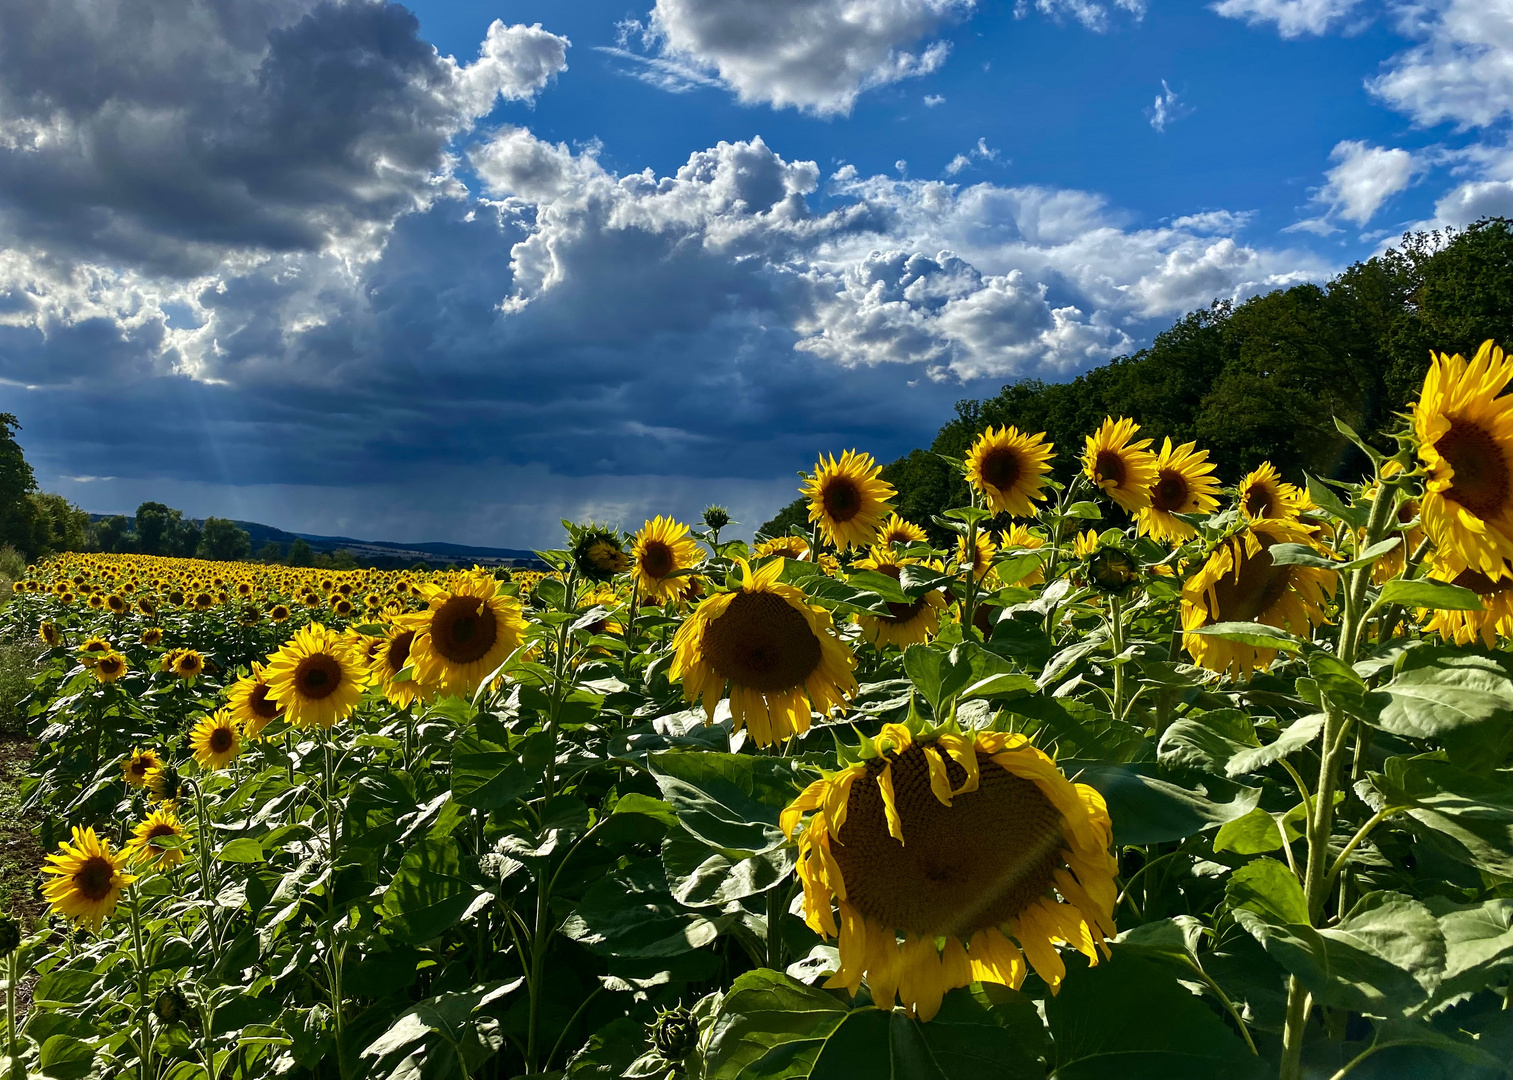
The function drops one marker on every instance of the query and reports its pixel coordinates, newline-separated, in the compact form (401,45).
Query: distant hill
(385,552)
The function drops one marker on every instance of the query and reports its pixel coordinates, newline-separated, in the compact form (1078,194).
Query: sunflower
(1464,427)
(86,879)
(141,849)
(1264,494)
(961,845)
(96,601)
(315,677)
(1465,627)
(165,784)
(134,769)
(279,613)
(92,649)
(151,636)
(897,530)
(658,552)
(50,635)
(1240,583)
(1019,536)
(1009,469)
(147,607)
(116,604)
(183,663)
(848,499)
(250,704)
(390,658)
(341,607)
(780,655)
(789,547)
(1122,466)
(1184,484)
(980,558)
(110,667)
(466,633)
(203,601)
(216,740)
(597,551)
(905,624)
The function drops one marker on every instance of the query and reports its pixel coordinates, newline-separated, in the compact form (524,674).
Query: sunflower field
(1138,777)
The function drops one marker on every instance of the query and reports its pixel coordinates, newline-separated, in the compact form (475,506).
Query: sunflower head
(85,879)
(716,517)
(110,667)
(789,547)
(1463,424)
(1184,484)
(597,551)
(166,784)
(659,552)
(10,936)
(979,557)
(50,635)
(279,613)
(92,649)
(316,677)
(1019,536)
(250,704)
(674,1034)
(469,629)
(134,769)
(115,603)
(1264,494)
(905,624)
(1009,469)
(1494,620)
(216,740)
(393,656)
(1122,466)
(146,846)
(943,858)
(779,655)
(848,499)
(1240,583)
(147,606)
(897,530)
(152,636)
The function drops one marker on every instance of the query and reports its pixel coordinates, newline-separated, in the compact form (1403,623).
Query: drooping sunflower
(597,552)
(250,704)
(147,606)
(789,547)
(779,654)
(1122,466)
(158,824)
(86,879)
(905,624)
(151,636)
(1019,536)
(134,768)
(848,499)
(468,630)
(50,635)
(316,677)
(980,557)
(1184,484)
(1464,427)
(165,784)
(110,667)
(943,851)
(1009,468)
(1264,494)
(216,740)
(391,657)
(661,549)
(897,530)
(1240,583)
(1466,627)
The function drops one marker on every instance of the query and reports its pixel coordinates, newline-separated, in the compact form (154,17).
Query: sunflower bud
(166,784)
(675,1034)
(1110,570)
(716,517)
(170,1006)
(10,935)
(597,552)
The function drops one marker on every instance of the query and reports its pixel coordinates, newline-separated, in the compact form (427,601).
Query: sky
(460,269)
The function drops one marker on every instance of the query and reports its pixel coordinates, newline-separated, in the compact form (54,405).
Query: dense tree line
(1261,380)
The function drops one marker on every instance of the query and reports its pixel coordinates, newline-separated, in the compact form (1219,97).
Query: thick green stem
(1116,638)
(144,988)
(969,601)
(12,976)
(334,949)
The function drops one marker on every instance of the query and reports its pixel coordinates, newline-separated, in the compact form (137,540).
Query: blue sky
(458,269)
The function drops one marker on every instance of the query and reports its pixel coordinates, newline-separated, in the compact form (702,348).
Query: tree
(223,541)
(271,552)
(57,524)
(300,553)
(17,481)
(341,559)
(155,526)
(112,534)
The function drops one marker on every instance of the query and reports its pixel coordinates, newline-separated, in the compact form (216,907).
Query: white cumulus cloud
(1292,18)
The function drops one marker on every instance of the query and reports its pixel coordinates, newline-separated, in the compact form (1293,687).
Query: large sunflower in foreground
(848,499)
(316,678)
(1184,484)
(1240,583)
(85,879)
(943,852)
(1464,427)
(160,823)
(661,549)
(779,654)
(1466,627)
(1264,494)
(250,704)
(466,633)
(1008,469)
(1122,466)
(905,624)
(216,740)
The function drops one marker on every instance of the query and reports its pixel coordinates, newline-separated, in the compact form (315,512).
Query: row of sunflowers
(1137,775)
